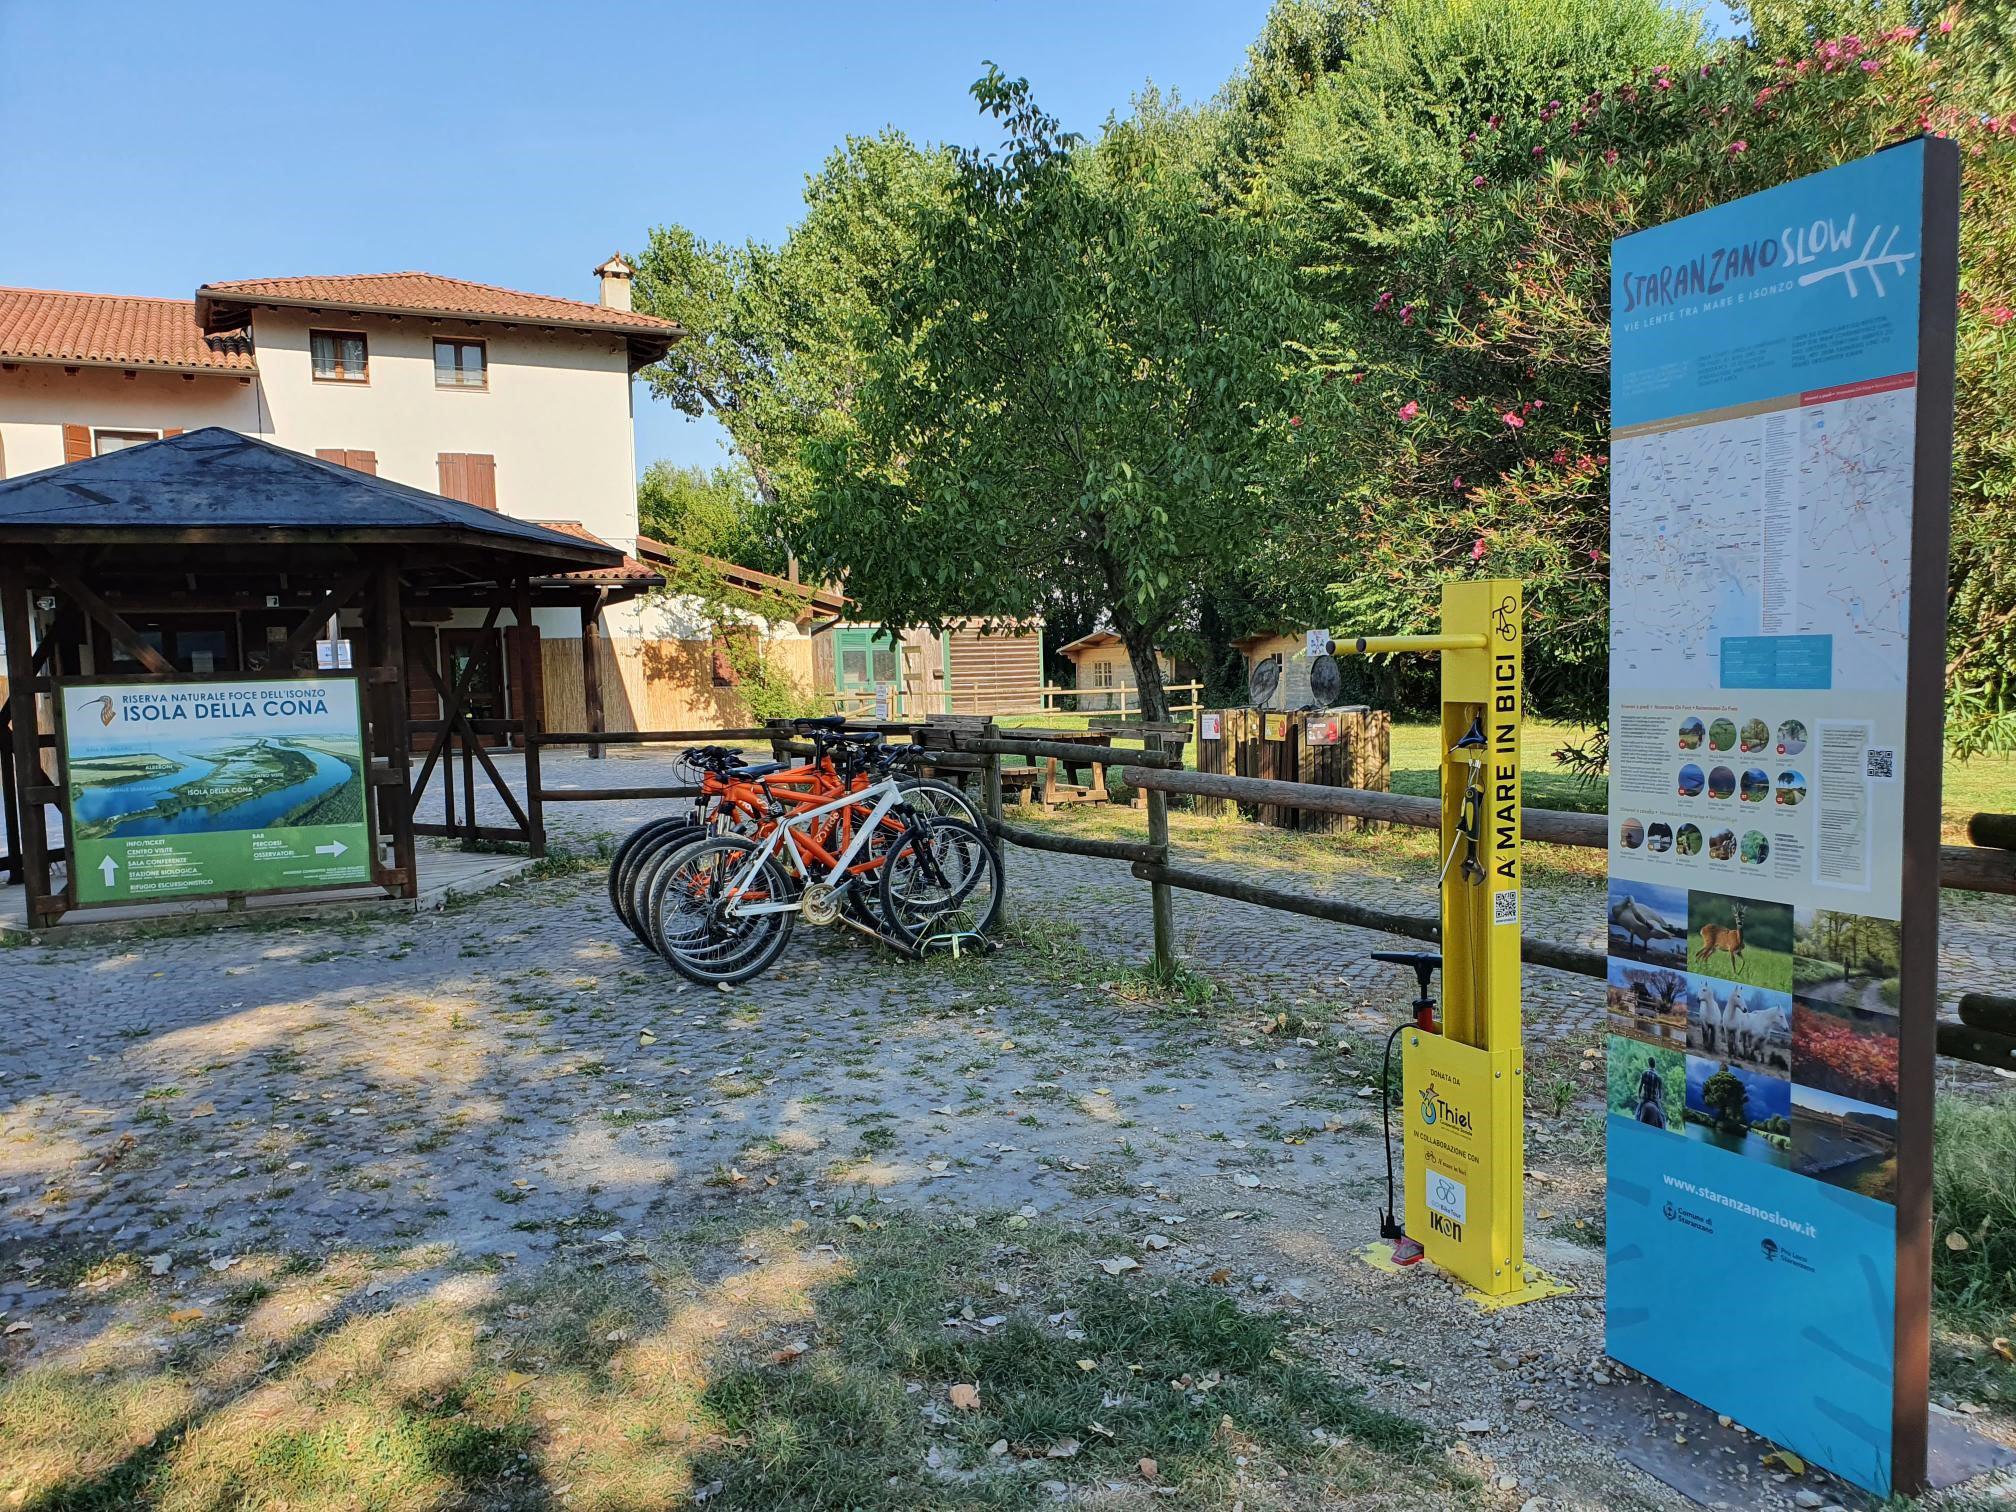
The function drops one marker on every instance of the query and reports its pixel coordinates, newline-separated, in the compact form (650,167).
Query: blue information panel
(1767,410)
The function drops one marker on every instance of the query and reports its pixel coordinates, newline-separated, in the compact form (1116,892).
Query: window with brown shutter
(173,430)
(361,461)
(76,442)
(470,477)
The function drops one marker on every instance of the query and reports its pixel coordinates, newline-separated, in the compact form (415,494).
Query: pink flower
(1870,65)
(1595,555)
(1662,82)
(1477,551)
(1537,151)
(1406,314)
(1294,419)
(1945,27)
(1492,123)
(1457,485)
(1610,154)
(1383,300)
(2002,314)
(1512,420)
(1738,146)
(1477,182)
(1409,410)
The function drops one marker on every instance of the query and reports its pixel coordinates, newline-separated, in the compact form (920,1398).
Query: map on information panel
(1788,522)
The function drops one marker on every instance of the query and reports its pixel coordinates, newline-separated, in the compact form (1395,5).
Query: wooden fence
(1986,1033)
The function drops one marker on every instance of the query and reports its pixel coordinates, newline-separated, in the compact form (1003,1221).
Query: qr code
(1505,908)
(1882,763)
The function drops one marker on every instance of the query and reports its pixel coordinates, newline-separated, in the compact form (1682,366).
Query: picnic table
(1056,792)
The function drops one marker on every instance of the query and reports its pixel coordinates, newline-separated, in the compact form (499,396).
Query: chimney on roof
(614,276)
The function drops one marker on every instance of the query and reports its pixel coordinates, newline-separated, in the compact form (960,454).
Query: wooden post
(991,779)
(1160,898)
(399,801)
(27,736)
(591,666)
(532,690)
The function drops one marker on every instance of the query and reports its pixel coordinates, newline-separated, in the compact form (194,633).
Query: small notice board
(1782,412)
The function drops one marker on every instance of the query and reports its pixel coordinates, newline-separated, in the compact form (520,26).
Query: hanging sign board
(882,702)
(1273,726)
(1782,408)
(204,786)
(1210,726)
(1323,729)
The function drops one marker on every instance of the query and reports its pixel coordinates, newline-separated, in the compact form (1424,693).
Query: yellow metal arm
(1373,645)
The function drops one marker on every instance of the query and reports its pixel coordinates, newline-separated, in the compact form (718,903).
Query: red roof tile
(422,293)
(631,570)
(114,330)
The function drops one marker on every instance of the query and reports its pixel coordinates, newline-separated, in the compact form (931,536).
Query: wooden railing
(1039,700)
(1986,1033)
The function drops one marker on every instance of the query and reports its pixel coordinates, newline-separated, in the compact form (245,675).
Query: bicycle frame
(887,796)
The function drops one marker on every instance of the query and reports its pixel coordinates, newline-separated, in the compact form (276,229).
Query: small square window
(105,442)
(339,356)
(461,364)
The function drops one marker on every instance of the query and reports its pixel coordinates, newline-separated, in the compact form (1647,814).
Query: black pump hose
(1390,1226)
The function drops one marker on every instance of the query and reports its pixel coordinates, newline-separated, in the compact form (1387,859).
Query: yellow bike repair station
(1463,1088)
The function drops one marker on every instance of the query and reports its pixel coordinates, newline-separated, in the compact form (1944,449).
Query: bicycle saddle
(761,769)
(821,721)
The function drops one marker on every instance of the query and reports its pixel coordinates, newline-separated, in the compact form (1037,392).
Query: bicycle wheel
(642,871)
(693,931)
(621,868)
(934,796)
(941,878)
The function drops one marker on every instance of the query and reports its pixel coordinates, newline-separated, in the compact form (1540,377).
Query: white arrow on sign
(333,848)
(109,870)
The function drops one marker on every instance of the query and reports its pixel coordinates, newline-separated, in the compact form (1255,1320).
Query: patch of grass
(806,1367)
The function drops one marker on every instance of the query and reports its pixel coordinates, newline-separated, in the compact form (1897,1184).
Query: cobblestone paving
(514,1076)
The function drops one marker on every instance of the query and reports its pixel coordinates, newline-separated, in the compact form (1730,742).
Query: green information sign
(212,785)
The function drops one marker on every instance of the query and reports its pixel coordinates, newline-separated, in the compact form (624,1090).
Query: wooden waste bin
(1280,747)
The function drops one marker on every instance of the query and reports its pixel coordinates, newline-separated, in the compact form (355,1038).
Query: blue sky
(152,147)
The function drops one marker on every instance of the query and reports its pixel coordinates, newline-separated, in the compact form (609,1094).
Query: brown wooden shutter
(361,461)
(470,477)
(76,443)
(482,480)
(173,430)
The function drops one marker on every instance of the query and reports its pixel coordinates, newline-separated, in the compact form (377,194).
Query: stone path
(514,1078)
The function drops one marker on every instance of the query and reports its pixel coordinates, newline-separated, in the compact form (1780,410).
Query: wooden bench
(1021,781)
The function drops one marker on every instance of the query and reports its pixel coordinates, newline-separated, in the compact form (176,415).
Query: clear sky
(146,148)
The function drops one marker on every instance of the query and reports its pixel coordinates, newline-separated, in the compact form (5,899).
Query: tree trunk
(1147,670)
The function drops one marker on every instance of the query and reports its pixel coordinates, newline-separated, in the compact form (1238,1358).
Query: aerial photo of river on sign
(229,783)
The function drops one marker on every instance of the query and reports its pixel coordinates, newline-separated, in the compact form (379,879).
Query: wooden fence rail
(1986,1034)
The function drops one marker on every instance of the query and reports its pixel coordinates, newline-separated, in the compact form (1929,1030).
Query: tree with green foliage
(1723,1095)
(1452,191)
(716,513)
(1073,399)
(779,338)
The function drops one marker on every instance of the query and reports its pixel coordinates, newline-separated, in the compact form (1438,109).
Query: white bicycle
(723,907)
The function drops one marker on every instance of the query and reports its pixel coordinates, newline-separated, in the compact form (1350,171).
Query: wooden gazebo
(275,546)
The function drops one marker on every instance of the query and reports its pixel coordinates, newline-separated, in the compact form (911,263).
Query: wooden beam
(591,667)
(26,724)
(115,624)
(452,700)
(340,597)
(531,703)
(398,742)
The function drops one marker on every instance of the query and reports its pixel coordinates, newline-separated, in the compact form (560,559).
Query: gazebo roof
(217,487)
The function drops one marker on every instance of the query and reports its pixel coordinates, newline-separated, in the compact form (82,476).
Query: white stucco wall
(556,415)
(37,401)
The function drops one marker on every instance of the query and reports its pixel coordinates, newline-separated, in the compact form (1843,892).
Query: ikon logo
(1448,1227)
